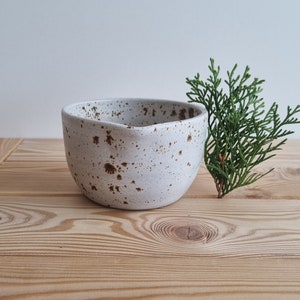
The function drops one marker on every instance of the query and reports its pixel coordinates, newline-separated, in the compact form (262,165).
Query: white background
(56,52)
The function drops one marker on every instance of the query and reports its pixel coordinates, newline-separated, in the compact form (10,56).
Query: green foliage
(241,134)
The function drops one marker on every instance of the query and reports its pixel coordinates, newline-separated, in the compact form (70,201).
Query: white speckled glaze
(134,153)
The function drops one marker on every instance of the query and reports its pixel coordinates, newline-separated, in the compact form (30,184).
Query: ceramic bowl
(134,153)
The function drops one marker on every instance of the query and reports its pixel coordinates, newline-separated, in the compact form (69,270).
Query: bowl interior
(134,112)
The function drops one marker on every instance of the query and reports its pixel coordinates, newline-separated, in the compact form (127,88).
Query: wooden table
(56,244)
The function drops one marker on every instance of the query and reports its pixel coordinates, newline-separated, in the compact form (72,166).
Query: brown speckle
(145,109)
(189,164)
(153,112)
(139,189)
(189,138)
(116,113)
(119,177)
(96,139)
(124,164)
(182,113)
(93,187)
(117,188)
(109,138)
(83,187)
(180,152)
(133,182)
(173,113)
(125,202)
(109,168)
(191,112)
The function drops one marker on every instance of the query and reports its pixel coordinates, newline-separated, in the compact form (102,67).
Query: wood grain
(36,178)
(282,183)
(57,244)
(39,167)
(39,150)
(72,248)
(148,278)
(76,226)
(7,146)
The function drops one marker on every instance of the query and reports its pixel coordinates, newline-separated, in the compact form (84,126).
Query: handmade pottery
(134,153)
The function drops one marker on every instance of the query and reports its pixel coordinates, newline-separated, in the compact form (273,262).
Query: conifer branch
(241,134)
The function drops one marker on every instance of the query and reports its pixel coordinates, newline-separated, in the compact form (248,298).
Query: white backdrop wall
(55,52)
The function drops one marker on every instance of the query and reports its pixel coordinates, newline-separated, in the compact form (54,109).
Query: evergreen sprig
(241,134)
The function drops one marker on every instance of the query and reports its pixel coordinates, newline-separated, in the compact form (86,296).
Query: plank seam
(8,154)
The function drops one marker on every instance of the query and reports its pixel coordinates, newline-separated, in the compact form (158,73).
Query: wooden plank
(31,163)
(46,178)
(54,178)
(36,178)
(63,226)
(290,149)
(71,248)
(39,150)
(282,182)
(96,277)
(7,146)
(56,244)
(43,171)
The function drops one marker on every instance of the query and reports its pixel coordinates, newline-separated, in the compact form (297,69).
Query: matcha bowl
(134,153)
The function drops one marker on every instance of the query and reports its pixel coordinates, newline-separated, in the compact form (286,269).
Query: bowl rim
(198,106)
